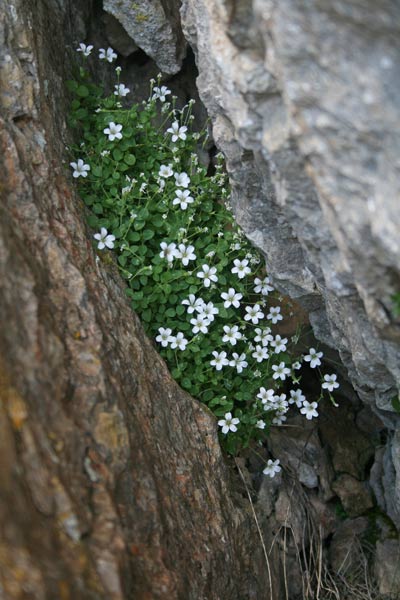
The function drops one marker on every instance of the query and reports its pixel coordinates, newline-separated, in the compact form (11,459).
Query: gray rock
(355,495)
(345,551)
(303,97)
(299,449)
(387,568)
(154,26)
(118,37)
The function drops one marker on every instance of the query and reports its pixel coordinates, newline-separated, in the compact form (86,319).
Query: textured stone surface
(304,102)
(346,545)
(355,495)
(118,37)
(387,567)
(112,480)
(154,25)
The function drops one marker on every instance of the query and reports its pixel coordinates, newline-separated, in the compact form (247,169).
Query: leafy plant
(199,287)
(396,304)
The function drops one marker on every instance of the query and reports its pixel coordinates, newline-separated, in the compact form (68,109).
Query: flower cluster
(200,288)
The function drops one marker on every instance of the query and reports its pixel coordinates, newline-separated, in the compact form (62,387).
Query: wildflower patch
(200,288)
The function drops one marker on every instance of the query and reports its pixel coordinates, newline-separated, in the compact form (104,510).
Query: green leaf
(72,87)
(138,225)
(148,234)
(130,159)
(81,113)
(117,154)
(146,315)
(396,403)
(82,91)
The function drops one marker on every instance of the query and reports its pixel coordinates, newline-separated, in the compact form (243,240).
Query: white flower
(193,303)
(279,344)
(228,423)
(313,358)
(296,365)
(241,268)
(164,336)
(238,361)
(231,298)
(297,398)
(126,190)
(281,403)
(279,419)
(113,131)
(185,253)
(208,311)
(266,396)
(257,373)
(200,323)
(118,70)
(207,274)
(330,382)
(260,353)
(182,179)
(232,334)
(104,153)
(263,335)
(121,90)
(263,286)
(309,409)
(168,251)
(80,168)
(220,360)
(274,314)
(269,406)
(178,133)
(183,198)
(108,55)
(179,341)
(159,93)
(86,50)
(280,371)
(104,239)
(165,171)
(254,313)
(260,424)
(272,468)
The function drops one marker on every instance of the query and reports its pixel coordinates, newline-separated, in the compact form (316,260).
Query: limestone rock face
(304,99)
(112,480)
(154,25)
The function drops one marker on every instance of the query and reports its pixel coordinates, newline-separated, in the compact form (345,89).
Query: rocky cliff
(304,102)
